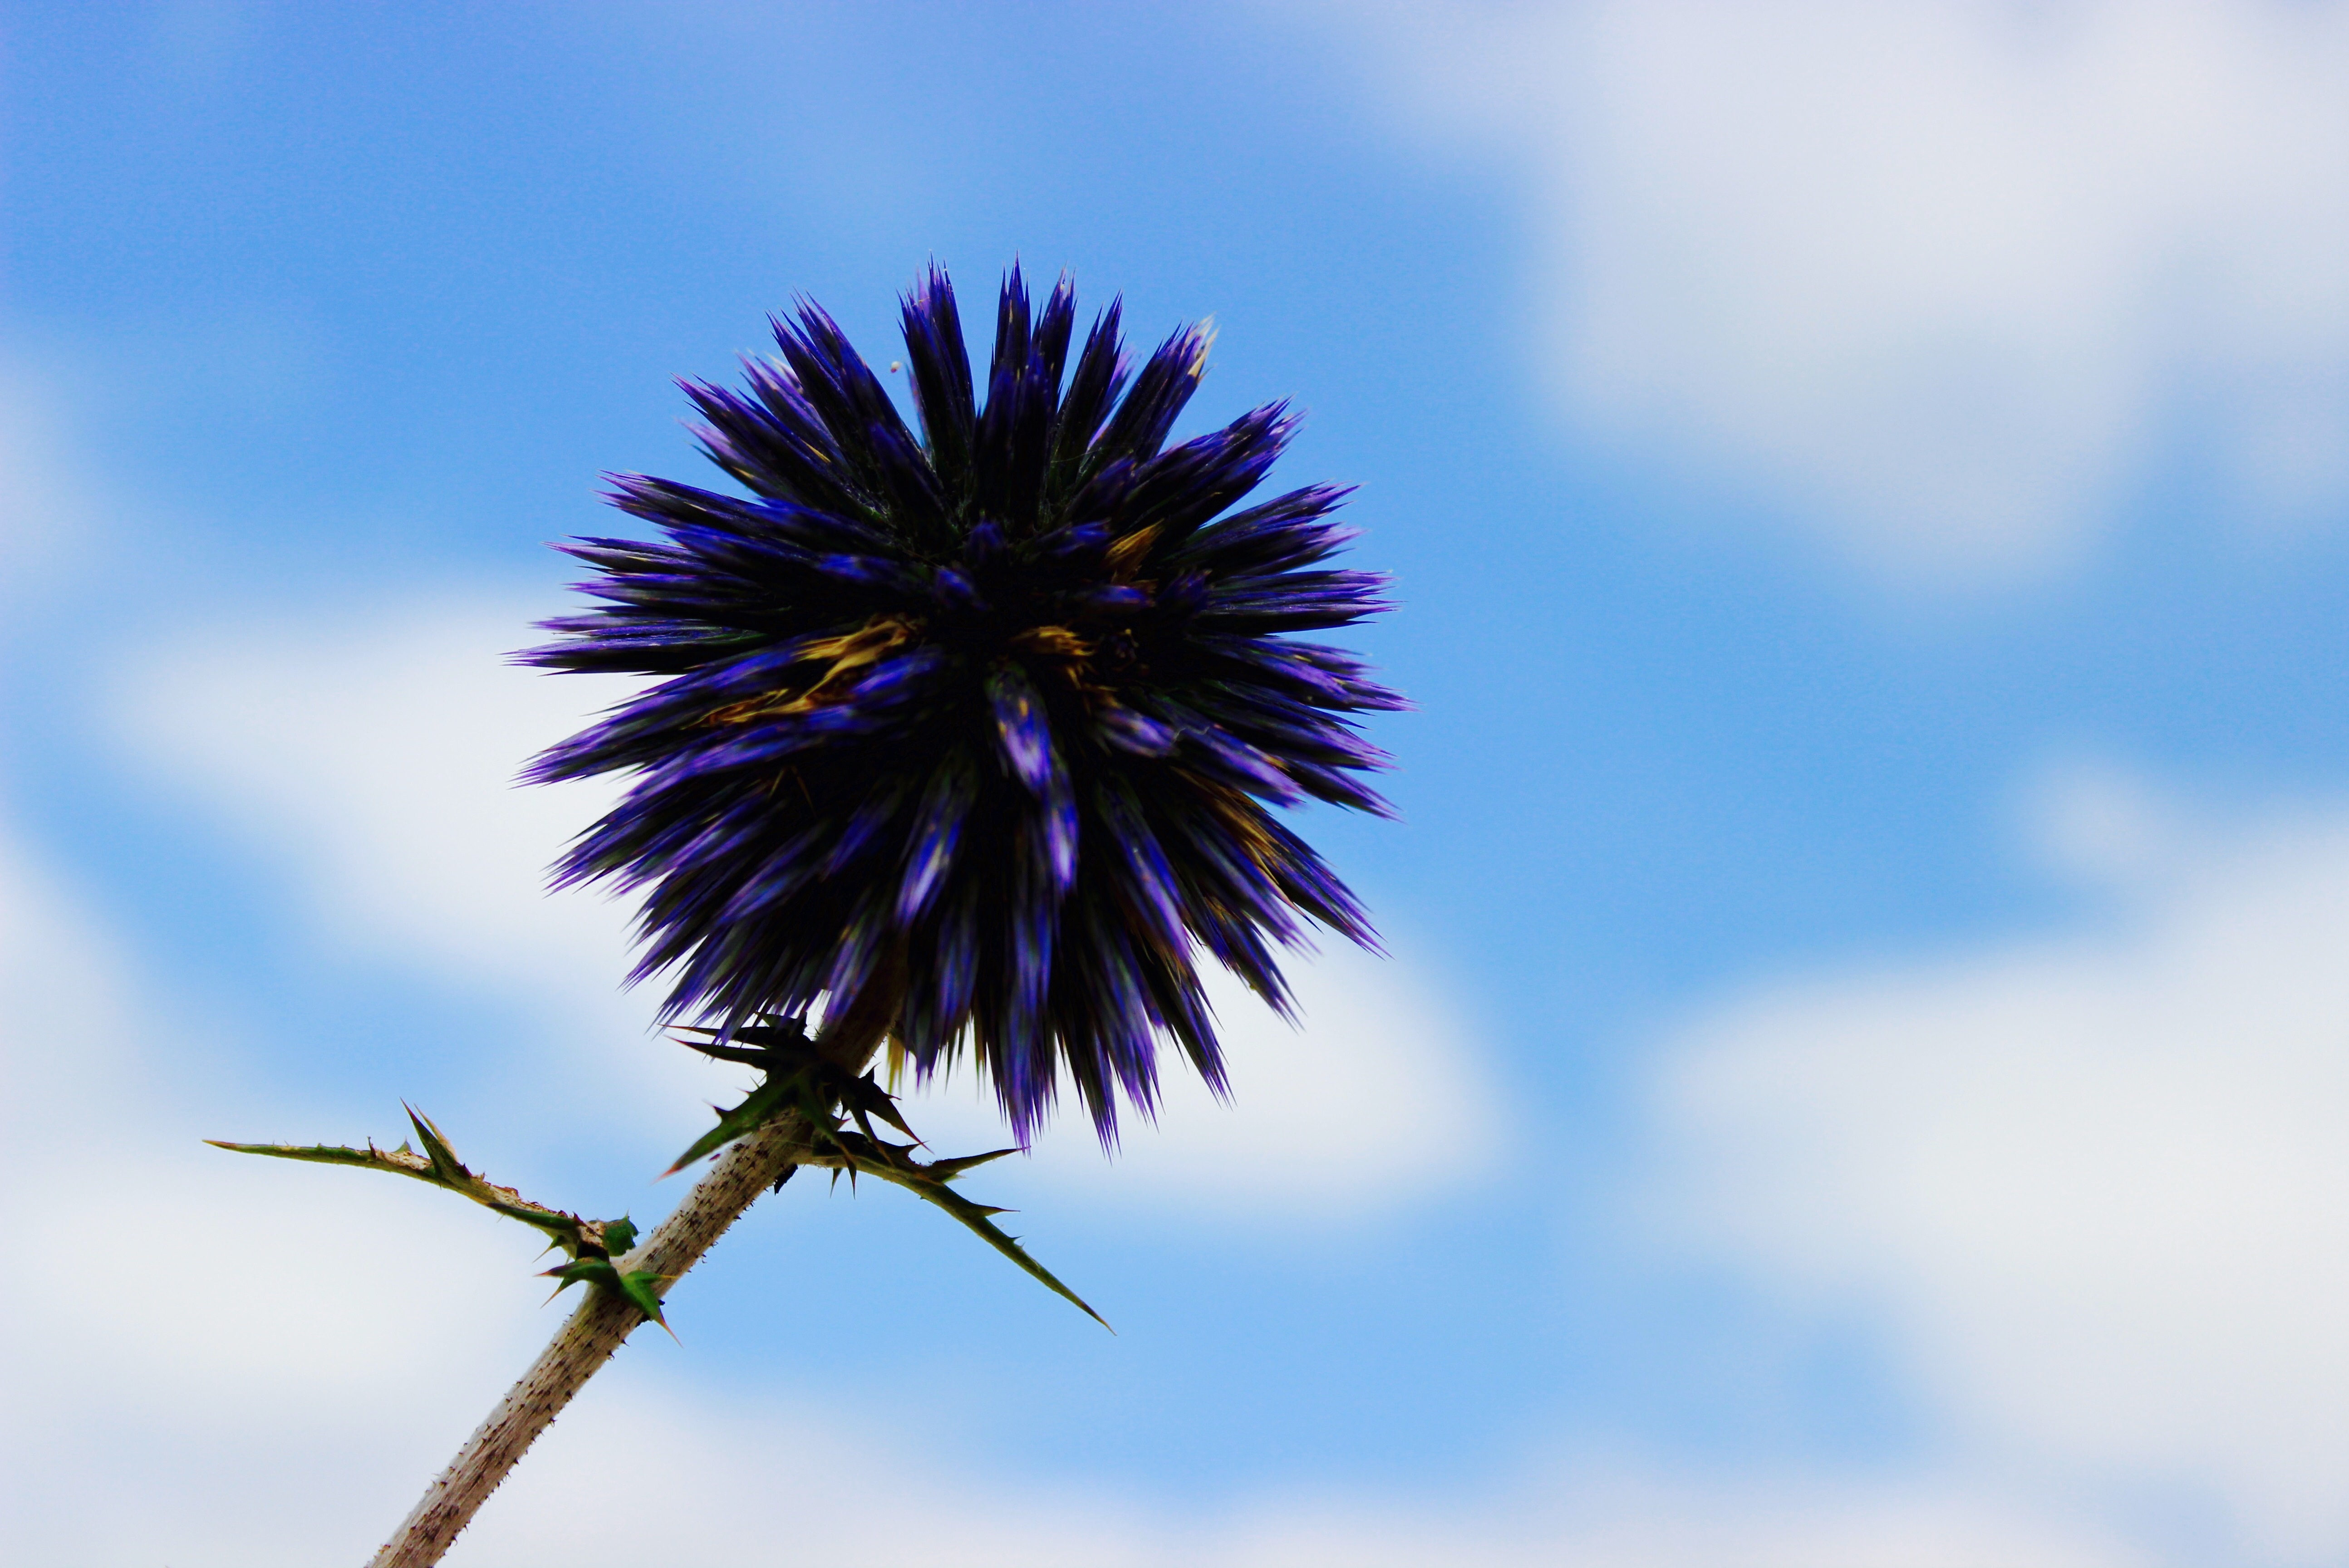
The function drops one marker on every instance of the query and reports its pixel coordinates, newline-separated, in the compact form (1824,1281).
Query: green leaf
(865,1098)
(639,1286)
(893,1163)
(822,1093)
(976,1216)
(762,1105)
(580,1271)
(568,1232)
(444,1159)
(440,1167)
(948,1170)
(329,1154)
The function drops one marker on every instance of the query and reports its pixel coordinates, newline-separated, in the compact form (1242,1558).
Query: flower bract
(999,707)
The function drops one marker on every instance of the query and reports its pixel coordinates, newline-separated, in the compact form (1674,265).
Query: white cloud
(2096,1187)
(193,1339)
(376,761)
(1940,279)
(217,1360)
(379,758)
(826,1489)
(45,507)
(1382,1098)
(2098,825)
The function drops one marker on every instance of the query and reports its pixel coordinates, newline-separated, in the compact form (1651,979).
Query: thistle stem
(596,1330)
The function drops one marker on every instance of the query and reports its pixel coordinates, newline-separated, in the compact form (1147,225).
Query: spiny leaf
(819,1091)
(948,1170)
(723,1053)
(866,1098)
(893,1163)
(444,1159)
(565,1230)
(797,1080)
(440,1167)
(975,1217)
(335,1154)
(581,1270)
(758,1108)
(639,1287)
(765,1045)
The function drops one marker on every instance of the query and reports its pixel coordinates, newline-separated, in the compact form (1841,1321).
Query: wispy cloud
(374,761)
(2094,1187)
(276,1361)
(201,1365)
(47,509)
(1385,1098)
(1948,284)
(883,1499)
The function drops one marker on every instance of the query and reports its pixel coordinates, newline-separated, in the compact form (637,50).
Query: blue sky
(1858,1076)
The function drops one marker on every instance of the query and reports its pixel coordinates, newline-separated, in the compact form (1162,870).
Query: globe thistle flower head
(998,709)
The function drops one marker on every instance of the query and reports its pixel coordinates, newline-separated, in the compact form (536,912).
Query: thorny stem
(606,1318)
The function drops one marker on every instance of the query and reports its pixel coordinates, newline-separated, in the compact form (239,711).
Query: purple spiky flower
(1000,706)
